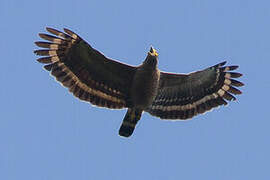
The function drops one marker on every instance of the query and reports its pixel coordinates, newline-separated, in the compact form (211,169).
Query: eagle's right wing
(182,96)
(87,73)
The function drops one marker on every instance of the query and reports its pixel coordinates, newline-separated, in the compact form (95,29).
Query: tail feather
(129,123)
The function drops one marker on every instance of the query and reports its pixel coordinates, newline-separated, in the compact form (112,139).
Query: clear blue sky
(47,134)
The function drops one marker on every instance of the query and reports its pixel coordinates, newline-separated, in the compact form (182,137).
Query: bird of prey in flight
(101,81)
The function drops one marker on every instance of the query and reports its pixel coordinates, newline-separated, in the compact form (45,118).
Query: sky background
(47,134)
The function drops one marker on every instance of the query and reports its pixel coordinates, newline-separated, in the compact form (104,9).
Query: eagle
(103,82)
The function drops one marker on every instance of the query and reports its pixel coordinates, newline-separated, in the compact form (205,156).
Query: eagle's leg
(131,118)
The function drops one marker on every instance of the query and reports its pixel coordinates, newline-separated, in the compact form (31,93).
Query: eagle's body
(143,92)
(145,85)
(92,77)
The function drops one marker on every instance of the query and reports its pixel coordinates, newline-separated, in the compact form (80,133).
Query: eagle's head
(152,52)
(152,57)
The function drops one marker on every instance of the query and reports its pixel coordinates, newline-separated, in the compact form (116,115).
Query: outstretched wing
(87,73)
(182,96)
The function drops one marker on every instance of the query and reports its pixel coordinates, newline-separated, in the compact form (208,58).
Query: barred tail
(130,120)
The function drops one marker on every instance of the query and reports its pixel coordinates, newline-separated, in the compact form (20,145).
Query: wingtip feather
(222,63)
(71,33)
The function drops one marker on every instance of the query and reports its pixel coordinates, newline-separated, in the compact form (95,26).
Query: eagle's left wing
(86,72)
(182,96)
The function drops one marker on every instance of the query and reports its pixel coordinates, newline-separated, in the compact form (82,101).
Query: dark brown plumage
(92,77)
